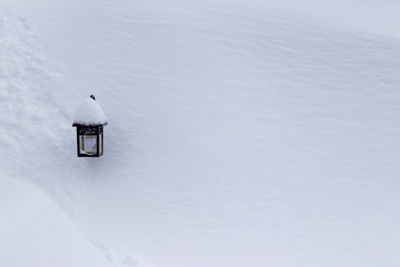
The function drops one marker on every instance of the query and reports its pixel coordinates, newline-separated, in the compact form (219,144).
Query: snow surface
(89,112)
(243,133)
(36,232)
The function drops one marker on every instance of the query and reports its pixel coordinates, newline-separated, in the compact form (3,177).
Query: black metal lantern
(89,140)
(89,130)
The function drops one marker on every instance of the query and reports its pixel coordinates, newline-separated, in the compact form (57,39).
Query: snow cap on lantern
(89,113)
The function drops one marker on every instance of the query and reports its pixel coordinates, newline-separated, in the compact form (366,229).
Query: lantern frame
(96,130)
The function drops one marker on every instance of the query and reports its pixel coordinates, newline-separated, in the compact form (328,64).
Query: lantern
(89,120)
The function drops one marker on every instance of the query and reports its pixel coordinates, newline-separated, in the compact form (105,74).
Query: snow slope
(35,232)
(238,135)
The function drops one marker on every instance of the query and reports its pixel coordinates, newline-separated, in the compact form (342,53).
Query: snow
(36,232)
(89,113)
(242,134)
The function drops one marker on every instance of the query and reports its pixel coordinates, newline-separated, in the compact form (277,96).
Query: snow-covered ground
(240,134)
(35,232)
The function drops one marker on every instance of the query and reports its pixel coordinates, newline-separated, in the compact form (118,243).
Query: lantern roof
(89,113)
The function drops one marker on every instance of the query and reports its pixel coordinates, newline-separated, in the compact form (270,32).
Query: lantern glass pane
(88,144)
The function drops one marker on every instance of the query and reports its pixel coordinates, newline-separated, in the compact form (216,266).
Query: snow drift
(35,232)
(241,135)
